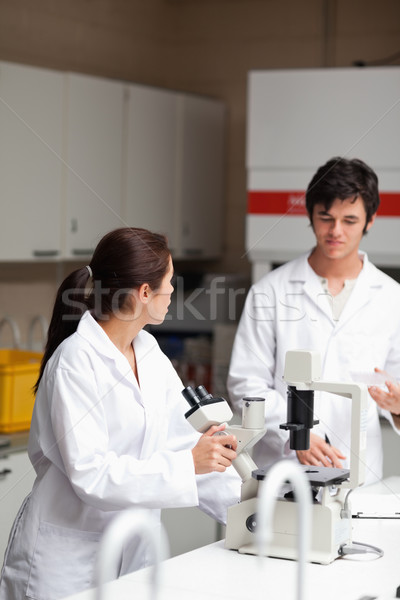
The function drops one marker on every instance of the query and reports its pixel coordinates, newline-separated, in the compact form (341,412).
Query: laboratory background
(154,113)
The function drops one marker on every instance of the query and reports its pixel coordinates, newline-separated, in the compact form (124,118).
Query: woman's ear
(144,293)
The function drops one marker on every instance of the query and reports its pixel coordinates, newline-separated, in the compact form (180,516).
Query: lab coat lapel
(144,363)
(363,292)
(94,334)
(312,288)
(149,380)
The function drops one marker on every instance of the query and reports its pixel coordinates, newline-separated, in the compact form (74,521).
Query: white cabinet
(31,119)
(175,169)
(82,155)
(151,160)
(201,169)
(94,143)
(16,479)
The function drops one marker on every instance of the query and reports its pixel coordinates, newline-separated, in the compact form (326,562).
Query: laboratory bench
(214,572)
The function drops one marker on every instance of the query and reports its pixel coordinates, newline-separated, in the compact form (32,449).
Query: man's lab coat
(99,444)
(288,310)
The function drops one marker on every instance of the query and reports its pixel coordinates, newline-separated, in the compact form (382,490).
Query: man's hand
(389,400)
(320,453)
(214,452)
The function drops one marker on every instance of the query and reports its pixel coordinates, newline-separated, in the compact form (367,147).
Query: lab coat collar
(368,281)
(143,343)
(301,271)
(90,330)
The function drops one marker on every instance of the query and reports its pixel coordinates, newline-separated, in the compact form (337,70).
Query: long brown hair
(123,260)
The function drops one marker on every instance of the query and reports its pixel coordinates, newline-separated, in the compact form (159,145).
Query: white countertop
(214,572)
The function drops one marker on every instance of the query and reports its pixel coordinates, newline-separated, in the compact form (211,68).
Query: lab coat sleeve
(253,362)
(101,477)
(216,491)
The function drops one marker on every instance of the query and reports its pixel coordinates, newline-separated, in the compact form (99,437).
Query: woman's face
(160,299)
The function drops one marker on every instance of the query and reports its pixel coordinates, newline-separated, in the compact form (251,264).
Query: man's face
(339,230)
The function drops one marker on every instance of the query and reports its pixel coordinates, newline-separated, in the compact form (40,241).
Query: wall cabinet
(16,479)
(31,162)
(81,155)
(93,162)
(151,160)
(175,169)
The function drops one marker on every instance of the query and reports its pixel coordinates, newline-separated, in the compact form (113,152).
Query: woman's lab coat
(100,444)
(288,310)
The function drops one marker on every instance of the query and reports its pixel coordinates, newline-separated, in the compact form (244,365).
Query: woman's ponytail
(69,306)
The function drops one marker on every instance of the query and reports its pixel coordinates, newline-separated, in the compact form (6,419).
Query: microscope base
(329,529)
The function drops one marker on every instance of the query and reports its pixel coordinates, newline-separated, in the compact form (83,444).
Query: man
(334,301)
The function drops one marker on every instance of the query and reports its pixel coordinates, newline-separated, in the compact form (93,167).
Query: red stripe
(293,203)
(276,203)
(390,204)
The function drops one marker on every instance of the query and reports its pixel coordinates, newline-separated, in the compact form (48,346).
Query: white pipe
(42,321)
(14,328)
(280,473)
(128,523)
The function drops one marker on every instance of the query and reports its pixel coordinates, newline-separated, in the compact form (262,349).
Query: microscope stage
(317,476)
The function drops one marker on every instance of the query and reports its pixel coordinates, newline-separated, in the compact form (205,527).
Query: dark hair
(123,260)
(343,178)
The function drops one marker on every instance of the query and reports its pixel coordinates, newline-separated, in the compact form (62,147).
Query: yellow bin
(19,370)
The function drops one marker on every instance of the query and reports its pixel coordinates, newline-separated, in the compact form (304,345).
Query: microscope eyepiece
(202,393)
(190,395)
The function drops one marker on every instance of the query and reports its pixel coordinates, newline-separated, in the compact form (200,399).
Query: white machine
(297,120)
(331,514)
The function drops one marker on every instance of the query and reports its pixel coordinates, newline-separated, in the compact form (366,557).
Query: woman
(108,430)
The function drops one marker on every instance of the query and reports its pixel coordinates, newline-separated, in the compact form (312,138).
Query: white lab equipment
(331,514)
(128,523)
(14,329)
(280,473)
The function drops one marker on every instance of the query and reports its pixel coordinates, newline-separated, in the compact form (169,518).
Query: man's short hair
(342,178)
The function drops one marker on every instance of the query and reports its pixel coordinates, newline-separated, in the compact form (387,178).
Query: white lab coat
(288,310)
(100,444)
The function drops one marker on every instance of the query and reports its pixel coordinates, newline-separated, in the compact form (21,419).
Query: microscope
(331,513)
(206,410)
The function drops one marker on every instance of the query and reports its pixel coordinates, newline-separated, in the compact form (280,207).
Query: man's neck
(336,271)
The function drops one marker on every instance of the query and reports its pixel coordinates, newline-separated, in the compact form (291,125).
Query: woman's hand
(214,452)
(320,453)
(389,400)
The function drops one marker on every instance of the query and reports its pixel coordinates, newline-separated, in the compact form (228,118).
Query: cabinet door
(200,194)
(16,479)
(93,161)
(31,111)
(151,166)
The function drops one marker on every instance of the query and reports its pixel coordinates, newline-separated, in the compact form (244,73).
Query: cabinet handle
(5,472)
(45,253)
(82,251)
